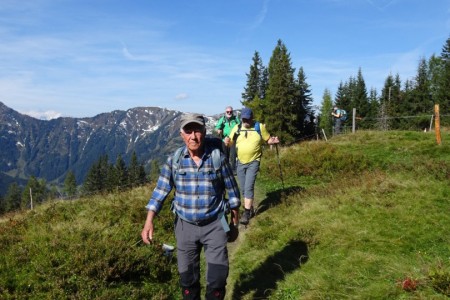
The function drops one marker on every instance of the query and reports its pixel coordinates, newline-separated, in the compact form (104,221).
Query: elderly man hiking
(200,174)
(223,128)
(248,138)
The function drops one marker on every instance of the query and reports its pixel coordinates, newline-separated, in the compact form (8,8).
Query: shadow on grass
(262,281)
(276,197)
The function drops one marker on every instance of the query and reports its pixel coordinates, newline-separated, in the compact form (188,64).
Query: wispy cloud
(261,15)
(381,4)
(181,96)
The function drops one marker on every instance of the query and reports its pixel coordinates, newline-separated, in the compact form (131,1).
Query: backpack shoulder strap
(176,161)
(216,144)
(258,128)
(237,133)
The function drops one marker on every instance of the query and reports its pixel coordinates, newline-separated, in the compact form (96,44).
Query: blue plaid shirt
(199,191)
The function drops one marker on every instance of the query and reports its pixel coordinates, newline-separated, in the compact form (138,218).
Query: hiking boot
(245,218)
(252,212)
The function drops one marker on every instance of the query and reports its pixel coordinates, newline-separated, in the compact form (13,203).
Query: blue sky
(80,58)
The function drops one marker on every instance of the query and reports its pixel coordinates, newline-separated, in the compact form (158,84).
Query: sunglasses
(229,111)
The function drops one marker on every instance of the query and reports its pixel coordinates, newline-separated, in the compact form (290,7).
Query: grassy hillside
(363,216)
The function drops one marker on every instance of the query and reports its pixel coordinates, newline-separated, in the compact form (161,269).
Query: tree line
(282,98)
(102,177)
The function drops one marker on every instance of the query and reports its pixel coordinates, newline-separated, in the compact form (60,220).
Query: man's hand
(273,140)
(233,233)
(226,141)
(147,231)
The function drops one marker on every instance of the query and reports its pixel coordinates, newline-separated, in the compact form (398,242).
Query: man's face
(193,135)
(229,112)
(247,122)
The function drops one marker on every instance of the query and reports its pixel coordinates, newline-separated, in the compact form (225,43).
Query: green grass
(351,218)
(365,211)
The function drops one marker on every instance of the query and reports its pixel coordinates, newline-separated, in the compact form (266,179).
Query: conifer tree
(112,181)
(282,101)
(325,118)
(361,101)
(443,93)
(13,197)
(37,188)
(374,107)
(343,96)
(256,81)
(134,170)
(122,172)
(97,178)
(387,103)
(154,170)
(420,102)
(70,184)
(439,68)
(422,94)
(305,111)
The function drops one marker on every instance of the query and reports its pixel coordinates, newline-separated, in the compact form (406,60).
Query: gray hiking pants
(246,174)
(190,241)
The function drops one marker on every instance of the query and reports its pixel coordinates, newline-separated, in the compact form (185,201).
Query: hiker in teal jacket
(223,128)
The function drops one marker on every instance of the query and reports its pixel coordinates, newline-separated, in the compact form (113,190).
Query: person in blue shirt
(336,113)
(200,207)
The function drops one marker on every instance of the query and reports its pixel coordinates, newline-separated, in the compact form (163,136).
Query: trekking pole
(279,166)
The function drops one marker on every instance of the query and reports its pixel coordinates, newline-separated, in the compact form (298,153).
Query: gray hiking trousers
(190,241)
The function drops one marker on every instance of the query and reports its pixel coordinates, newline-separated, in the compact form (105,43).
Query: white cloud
(181,96)
(45,115)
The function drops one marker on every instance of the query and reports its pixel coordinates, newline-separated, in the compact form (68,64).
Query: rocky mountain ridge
(49,149)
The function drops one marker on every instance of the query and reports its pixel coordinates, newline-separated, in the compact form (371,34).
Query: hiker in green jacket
(223,128)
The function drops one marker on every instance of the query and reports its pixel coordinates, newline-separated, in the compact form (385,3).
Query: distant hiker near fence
(340,116)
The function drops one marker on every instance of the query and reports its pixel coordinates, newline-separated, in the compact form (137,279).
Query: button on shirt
(199,191)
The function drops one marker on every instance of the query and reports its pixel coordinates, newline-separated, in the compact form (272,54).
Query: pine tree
(154,170)
(97,179)
(305,111)
(256,81)
(13,197)
(112,181)
(343,97)
(122,172)
(361,101)
(423,102)
(134,170)
(70,184)
(325,118)
(443,95)
(37,188)
(374,107)
(282,100)
(439,68)
(388,99)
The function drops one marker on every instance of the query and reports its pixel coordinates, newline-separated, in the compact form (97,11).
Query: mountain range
(48,149)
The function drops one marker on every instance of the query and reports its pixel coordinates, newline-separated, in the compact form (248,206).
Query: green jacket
(226,124)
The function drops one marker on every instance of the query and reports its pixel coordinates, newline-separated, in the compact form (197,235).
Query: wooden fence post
(354,120)
(437,126)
